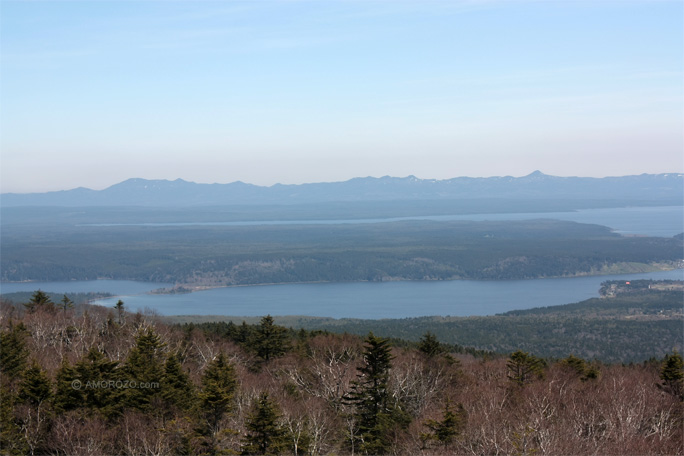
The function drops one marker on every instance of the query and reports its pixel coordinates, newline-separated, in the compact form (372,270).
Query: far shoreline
(609,270)
(618,271)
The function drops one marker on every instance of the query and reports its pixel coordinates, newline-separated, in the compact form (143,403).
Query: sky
(96,92)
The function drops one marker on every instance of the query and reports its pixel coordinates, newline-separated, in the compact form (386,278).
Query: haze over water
(663,221)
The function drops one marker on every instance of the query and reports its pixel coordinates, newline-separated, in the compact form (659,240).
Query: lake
(369,300)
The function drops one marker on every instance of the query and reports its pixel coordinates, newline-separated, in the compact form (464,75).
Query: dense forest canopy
(412,250)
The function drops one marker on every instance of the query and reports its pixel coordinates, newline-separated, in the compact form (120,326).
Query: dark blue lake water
(353,300)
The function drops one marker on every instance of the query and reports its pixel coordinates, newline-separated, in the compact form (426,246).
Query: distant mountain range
(652,188)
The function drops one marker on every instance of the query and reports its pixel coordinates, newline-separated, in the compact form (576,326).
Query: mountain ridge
(668,187)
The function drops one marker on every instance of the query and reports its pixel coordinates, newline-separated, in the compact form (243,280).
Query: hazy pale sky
(95,92)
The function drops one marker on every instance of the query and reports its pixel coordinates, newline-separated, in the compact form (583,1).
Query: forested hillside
(88,380)
(410,250)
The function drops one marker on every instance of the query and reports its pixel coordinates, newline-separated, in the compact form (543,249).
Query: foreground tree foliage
(269,340)
(584,370)
(13,352)
(672,375)
(265,435)
(377,416)
(216,399)
(430,346)
(82,381)
(523,367)
(66,303)
(40,301)
(448,428)
(144,370)
(176,387)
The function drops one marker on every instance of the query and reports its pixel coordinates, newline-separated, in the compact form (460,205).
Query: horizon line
(533,173)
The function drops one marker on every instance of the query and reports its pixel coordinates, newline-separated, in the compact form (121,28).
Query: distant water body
(665,221)
(352,300)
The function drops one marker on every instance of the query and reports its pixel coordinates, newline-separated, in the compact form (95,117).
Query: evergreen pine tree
(575,363)
(35,392)
(446,430)
(143,370)
(430,346)
(581,368)
(522,367)
(35,387)
(68,395)
(12,439)
(264,434)
(176,387)
(13,351)
(672,374)
(243,334)
(376,417)
(119,306)
(66,303)
(269,340)
(39,300)
(91,371)
(219,385)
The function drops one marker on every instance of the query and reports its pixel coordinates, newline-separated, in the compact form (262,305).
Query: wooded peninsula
(206,256)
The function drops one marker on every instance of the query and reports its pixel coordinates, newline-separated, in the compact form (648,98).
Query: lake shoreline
(189,288)
(657,267)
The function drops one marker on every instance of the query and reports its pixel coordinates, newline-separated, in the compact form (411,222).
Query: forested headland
(80,379)
(204,256)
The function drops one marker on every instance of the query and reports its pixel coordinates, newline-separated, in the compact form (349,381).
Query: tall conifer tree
(66,303)
(143,370)
(13,351)
(119,306)
(93,369)
(269,340)
(12,439)
(446,430)
(217,397)
(35,387)
(672,374)
(176,387)
(376,416)
(68,395)
(264,434)
(430,346)
(39,300)
(523,367)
